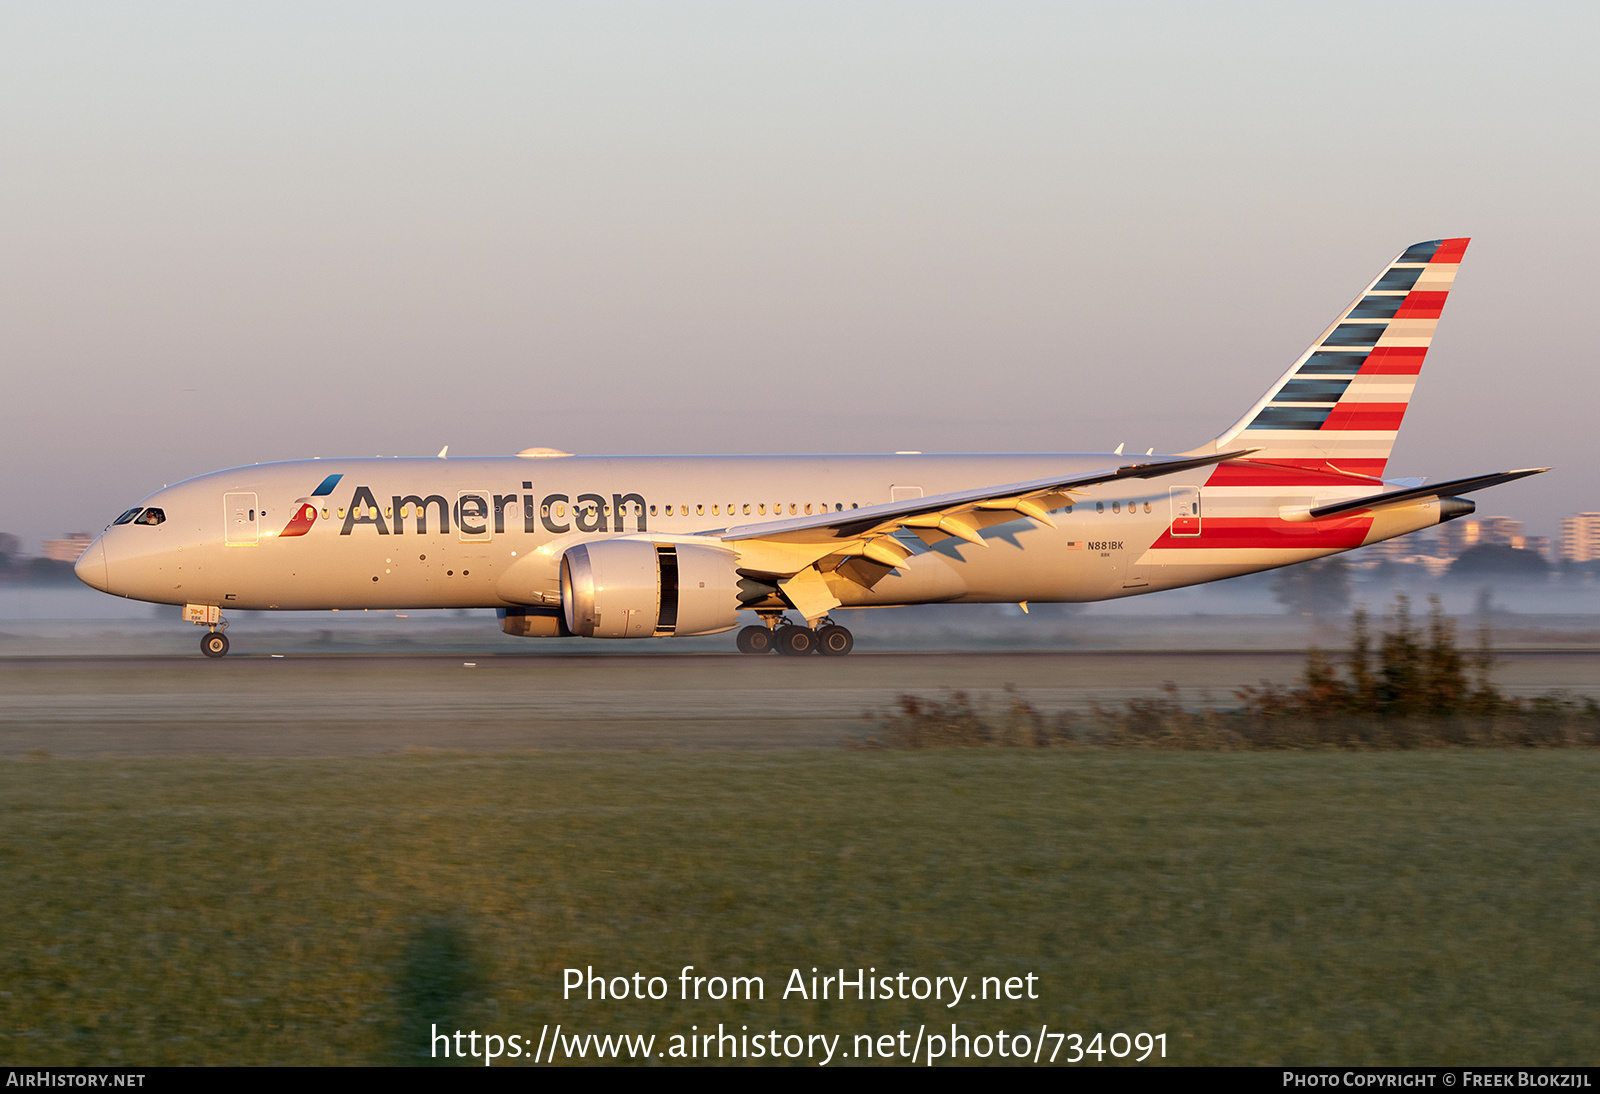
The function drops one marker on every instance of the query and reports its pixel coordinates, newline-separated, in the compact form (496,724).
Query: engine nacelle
(534,622)
(629,588)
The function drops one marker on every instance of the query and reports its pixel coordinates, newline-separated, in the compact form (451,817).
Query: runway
(367,704)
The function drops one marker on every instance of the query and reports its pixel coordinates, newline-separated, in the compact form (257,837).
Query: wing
(859,544)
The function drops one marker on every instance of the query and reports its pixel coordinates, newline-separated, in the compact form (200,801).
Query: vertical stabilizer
(1340,405)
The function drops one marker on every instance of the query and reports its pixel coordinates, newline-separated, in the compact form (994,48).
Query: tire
(755,641)
(214,644)
(835,641)
(795,641)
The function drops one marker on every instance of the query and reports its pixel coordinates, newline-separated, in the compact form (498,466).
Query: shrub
(1411,688)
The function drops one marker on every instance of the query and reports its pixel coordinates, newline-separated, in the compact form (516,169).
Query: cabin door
(1185,511)
(241,520)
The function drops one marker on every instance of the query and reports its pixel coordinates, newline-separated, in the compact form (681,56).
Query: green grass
(1403,908)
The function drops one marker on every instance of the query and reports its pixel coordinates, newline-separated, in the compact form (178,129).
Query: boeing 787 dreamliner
(658,546)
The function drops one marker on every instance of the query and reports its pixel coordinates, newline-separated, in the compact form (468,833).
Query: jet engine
(628,588)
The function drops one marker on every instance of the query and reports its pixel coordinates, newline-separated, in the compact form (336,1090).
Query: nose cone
(91,567)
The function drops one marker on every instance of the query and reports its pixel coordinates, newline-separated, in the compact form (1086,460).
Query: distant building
(1462,535)
(1436,548)
(67,550)
(1580,538)
(1413,549)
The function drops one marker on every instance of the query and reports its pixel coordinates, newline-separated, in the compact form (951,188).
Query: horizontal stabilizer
(1421,493)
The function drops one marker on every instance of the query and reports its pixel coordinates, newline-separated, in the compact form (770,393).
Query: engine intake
(628,588)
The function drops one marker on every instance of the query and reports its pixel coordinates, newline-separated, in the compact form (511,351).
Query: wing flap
(859,545)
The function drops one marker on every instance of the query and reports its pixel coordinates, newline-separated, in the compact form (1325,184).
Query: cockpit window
(129,515)
(151,516)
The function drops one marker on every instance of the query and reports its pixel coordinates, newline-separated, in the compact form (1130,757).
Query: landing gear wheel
(794,641)
(754,640)
(214,644)
(834,641)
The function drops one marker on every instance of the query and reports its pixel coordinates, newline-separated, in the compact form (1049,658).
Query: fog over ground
(241,233)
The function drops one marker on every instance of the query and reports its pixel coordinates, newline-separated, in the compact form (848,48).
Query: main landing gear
(792,640)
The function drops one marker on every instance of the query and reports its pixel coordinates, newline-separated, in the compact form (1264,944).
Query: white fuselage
(495,529)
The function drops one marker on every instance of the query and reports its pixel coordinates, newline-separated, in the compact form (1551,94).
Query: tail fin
(1340,405)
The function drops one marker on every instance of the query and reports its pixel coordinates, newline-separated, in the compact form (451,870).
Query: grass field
(1408,908)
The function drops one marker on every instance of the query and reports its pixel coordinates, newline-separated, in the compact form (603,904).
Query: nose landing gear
(213,643)
(794,640)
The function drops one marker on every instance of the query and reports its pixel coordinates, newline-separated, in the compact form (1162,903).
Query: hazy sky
(233,233)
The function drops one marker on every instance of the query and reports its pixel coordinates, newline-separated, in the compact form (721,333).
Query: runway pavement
(361,704)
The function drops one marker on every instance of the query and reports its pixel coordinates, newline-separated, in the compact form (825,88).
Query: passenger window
(128,516)
(715,511)
(1146,507)
(761,508)
(1116,507)
(808,508)
(699,510)
(1099,507)
(561,511)
(652,510)
(324,512)
(793,508)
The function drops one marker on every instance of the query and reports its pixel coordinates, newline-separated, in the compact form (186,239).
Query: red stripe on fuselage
(1374,417)
(1394,361)
(1268,533)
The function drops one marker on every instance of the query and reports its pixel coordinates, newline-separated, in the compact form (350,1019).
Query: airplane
(646,546)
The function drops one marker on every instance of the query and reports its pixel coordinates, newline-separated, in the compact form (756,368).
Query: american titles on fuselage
(474,511)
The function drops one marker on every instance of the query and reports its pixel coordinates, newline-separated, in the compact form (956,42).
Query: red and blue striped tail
(1340,406)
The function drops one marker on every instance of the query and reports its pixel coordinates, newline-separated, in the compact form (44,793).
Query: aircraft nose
(91,567)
